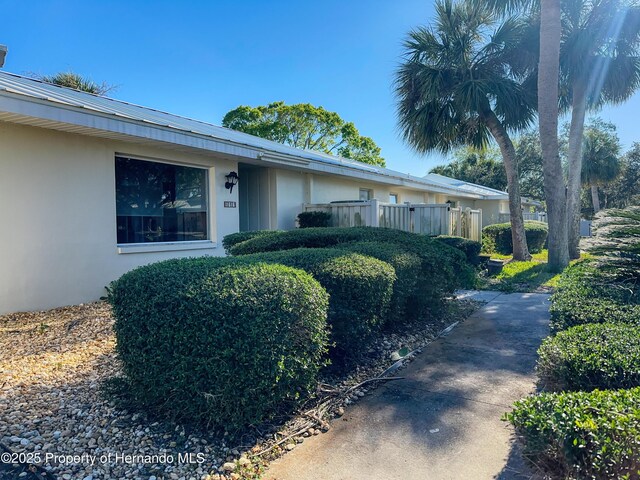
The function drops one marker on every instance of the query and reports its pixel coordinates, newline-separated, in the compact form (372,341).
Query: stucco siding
(59,243)
(289,197)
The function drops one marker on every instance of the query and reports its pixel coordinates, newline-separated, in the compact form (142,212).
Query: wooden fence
(427,219)
(537,216)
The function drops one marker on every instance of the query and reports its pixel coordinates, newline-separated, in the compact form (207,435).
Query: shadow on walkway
(443,419)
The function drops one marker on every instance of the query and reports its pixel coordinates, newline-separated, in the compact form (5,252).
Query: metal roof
(487,192)
(25,87)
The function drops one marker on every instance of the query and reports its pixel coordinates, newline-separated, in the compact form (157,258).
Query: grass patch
(530,276)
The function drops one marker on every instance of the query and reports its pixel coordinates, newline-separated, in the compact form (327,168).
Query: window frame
(181,245)
(369,194)
(397,196)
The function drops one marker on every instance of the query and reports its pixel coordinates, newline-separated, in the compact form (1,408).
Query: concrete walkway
(443,420)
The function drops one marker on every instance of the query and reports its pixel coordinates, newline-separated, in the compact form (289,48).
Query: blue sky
(202,58)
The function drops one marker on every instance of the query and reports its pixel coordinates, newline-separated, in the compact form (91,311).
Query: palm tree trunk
(518,236)
(595,198)
(548,79)
(574,185)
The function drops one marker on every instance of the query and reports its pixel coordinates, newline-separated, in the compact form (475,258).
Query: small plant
(581,435)
(314,219)
(591,356)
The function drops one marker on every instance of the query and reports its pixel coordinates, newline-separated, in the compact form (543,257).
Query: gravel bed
(53,412)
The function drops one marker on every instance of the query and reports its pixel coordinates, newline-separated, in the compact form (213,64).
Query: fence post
(374,219)
(467,223)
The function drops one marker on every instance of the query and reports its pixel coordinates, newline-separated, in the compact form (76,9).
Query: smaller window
(393,198)
(365,194)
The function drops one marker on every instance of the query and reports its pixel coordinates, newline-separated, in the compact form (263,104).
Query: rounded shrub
(470,248)
(218,343)
(586,357)
(443,268)
(359,288)
(581,435)
(585,295)
(234,238)
(407,266)
(314,219)
(497,238)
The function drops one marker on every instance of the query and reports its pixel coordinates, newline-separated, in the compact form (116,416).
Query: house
(94,187)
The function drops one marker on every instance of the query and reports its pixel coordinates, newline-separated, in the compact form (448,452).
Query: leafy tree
(601,163)
(600,63)
(460,84)
(77,82)
(480,166)
(305,126)
(624,191)
(529,153)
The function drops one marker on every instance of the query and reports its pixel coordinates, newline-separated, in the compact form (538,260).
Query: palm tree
(77,82)
(548,94)
(550,28)
(600,63)
(601,160)
(460,84)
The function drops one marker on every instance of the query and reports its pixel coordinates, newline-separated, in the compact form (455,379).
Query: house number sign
(229,204)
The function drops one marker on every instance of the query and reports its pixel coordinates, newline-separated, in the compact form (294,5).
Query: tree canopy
(625,189)
(462,82)
(480,166)
(305,126)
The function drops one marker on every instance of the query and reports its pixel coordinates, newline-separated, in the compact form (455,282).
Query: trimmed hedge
(202,339)
(470,248)
(314,219)
(234,238)
(582,435)
(443,268)
(359,288)
(591,356)
(585,295)
(408,285)
(497,238)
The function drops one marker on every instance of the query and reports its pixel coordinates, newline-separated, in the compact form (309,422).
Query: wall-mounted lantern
(232,179)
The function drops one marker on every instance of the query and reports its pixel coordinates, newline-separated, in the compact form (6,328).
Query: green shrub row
(586,357)
(582,431)
(497,238)
(443,268)
(235,238)
(212,342)
(470,248)
(359,287)
(408,285)
(201,339)
(585,295)
(582,435)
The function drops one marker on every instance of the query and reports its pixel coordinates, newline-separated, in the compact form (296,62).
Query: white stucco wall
(59,217)
(290,195)
(491,211)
